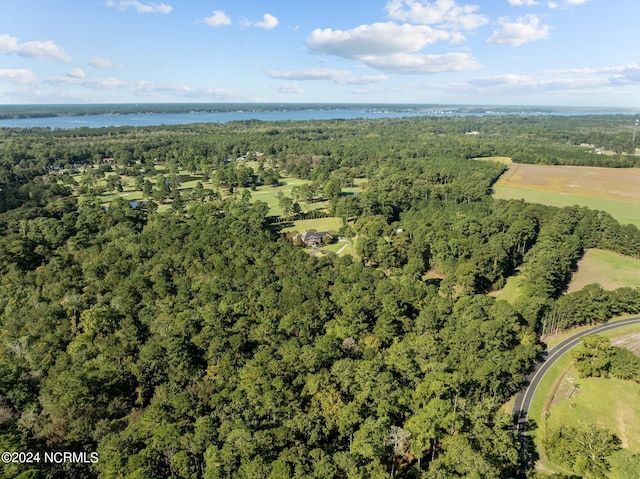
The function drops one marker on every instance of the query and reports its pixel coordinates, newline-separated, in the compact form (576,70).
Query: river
(285,114)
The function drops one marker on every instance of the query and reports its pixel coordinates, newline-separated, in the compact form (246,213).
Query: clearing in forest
(614,190)
(610,270)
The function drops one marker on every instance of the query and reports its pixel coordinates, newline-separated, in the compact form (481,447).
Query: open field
(610,270)
(511,289)
(609,403)
(320,224)
(610,189)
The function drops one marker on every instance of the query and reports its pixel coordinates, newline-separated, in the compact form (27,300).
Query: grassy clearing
(321,224)
(511,289)
(610,403)
(624,212)
(610,270)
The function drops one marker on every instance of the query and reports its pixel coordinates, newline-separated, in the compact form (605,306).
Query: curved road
(525,395)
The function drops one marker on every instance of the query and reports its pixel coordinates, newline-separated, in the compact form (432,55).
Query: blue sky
(502,52)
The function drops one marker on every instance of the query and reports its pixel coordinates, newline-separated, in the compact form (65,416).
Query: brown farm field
(614,190)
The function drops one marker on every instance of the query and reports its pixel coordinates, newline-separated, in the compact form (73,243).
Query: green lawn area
(609,403)
(321,224)
(511,289)
(624,212)
(610,270)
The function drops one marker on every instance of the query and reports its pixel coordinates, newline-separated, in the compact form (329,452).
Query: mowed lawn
(610,403)
(321,224)
(614,190)
(610,270)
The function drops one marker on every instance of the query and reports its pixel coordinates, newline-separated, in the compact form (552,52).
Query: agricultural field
(610,189)
(610,270)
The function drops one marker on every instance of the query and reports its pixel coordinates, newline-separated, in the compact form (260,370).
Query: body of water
(283,114)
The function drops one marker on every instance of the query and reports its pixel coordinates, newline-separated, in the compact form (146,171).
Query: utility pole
(633,141)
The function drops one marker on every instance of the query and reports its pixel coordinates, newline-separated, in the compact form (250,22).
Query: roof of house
(315,235)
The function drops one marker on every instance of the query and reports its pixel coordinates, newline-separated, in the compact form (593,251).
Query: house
(313,238)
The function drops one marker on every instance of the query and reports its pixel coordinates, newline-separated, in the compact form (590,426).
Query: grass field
(321,224)
(613,190)
(610,270)
(511,289)
(609,403)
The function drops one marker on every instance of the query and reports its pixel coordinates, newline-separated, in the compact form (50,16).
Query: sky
(490,52)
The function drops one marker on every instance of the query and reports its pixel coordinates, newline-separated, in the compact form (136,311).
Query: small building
(313,238)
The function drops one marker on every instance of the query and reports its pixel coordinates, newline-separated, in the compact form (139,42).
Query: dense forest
(199,342)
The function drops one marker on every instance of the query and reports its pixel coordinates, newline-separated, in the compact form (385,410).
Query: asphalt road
(525,395)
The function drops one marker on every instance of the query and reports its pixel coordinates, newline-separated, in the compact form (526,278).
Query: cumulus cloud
(18,76)
(268,22)
(525,29)
(446,13)
(374,40)
(528,3)
(217,19)
(34,49)
(76,73)
(343,77)
(139,6)
(392,47)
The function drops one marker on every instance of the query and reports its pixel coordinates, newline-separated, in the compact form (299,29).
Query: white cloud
(101,62)
(342,77)
(619,75)
(95,83)
(374,40)
(217,19)
(34,49)
(424,64)
(8,43)
(139,6)
(392,48)
(290,88)
(446,13)
(528,3)
(525,29)
(18,76)
(566,4)
(309,74)
(76,73)
(531,84)
(268,22)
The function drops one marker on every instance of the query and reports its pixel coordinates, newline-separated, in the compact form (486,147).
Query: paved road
(525,395)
